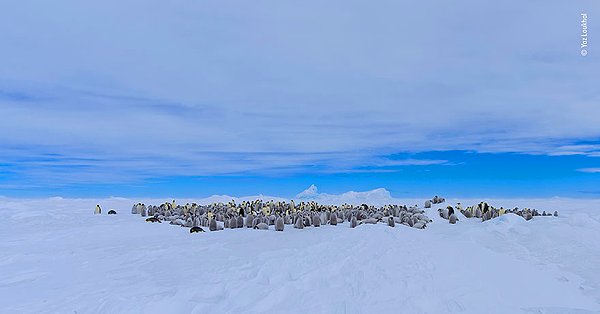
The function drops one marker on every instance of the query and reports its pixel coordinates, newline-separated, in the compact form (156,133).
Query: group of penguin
(262,215)
(485,212)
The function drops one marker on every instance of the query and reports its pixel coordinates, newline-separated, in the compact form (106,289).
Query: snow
(57,257)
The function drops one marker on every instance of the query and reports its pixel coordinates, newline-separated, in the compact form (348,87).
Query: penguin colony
(485,212)
(262,215)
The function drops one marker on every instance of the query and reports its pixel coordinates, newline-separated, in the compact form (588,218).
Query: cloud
(186,88)
(589,170)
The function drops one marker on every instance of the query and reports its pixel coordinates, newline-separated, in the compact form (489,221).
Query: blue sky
(193,98)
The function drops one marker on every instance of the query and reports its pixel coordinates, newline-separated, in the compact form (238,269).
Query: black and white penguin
(450,210)
(556,213)
(112,212)
(279,224)
(196,229)
(391,222)
(240,221)
(153,220)
(98,210)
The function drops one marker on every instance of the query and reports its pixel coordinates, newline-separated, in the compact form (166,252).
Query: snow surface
(57,257)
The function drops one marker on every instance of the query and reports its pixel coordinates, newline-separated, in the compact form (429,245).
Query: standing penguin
(98,210)
(450,210)
(316,221)
(299,223)
(333,219)
(212,225)
(353,222)
(279,224)
(427,204)
(249,220)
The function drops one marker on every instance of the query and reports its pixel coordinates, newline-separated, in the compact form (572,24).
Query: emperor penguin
(262,226)
(450,210)
(212,225)
(249,220)
(478,213)
(233,223)
(353,222)
(112,212)
(316,221)
(144,211)
(428,204)
(196,229)
(299,223)
(333,219)
(134,209)
(452,219)
(98,210)
(556,213)
(391,221)
(153,220)
(279,224)
(240,222)
(256,221)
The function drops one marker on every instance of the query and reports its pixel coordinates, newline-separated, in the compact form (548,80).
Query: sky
(194,98)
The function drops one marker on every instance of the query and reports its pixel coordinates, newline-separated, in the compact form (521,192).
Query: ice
(57,257)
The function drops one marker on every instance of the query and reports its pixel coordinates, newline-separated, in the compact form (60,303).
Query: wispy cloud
(589,170)
(199,88)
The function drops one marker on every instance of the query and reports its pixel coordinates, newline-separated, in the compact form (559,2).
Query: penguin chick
(353,222)
(212,225)
(420,225)
(196,229)
(249,220)
(279,224)
(299,223)
(262,226)
(333,220)
(452,219)
(391,222)
(316,220)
